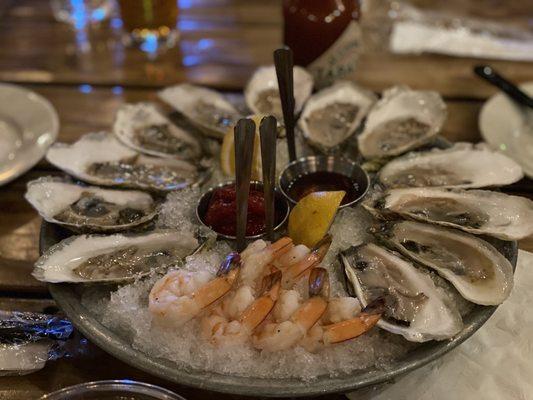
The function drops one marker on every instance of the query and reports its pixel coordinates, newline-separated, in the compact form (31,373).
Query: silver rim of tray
(67,298)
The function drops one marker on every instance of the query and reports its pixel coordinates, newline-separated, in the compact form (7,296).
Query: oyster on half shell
(464,165)
(482,212)
(479,272)
(207,109)
(144,128)
(100,159)
(402,120)
(332,115)
(89,208)
(113,258)
(262,91)
(415,307)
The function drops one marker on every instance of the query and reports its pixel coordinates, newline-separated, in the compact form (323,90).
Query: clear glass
(81,13)
(113,390)
(150,25)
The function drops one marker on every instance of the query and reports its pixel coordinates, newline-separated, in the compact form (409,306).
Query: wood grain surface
(88,73)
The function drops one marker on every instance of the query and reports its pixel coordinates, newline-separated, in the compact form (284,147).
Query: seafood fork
(268,133)
(244,145)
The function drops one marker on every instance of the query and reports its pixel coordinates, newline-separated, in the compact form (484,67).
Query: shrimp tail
(318,282)
(231,261)
(377,306)
(270,280)
(351,328)
(323,245)
(217,288)
(281,247)
(314,258)
(256,312)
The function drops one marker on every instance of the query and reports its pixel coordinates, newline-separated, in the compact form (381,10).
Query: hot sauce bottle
(324,36)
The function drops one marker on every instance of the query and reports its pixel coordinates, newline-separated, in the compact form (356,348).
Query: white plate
(28,125)
(500,123)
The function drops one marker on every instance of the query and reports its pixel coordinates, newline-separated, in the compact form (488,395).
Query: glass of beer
(150,24)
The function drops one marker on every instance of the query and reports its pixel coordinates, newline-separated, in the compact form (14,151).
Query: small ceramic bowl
(113,390)
(340,165)
(281,205)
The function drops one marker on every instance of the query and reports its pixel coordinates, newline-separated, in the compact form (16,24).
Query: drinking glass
(82,12)
(150,24)
(113,390)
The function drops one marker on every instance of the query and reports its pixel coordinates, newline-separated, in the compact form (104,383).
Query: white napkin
(419,37)
(496,363)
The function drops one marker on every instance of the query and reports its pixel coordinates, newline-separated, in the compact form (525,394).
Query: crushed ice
(125,311)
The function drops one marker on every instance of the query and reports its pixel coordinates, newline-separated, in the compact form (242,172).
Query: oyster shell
(113,258)
(144,128)
(100,159)
(332,115)
(402,120)
(479,272)
(262,91)
(89,208)
(481,212)
(415,307)
(464,165)
(207,109)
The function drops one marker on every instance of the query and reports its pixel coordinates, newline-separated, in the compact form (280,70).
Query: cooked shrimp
(223,331)
(351,328)
(297,253)
(289,301)
(324,335)
(283,335)
(341,309)
(258,255)
(295,271)
(317,322)
(181,295)
(236,303)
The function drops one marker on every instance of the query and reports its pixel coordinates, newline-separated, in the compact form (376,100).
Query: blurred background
(218,42)
(88,57)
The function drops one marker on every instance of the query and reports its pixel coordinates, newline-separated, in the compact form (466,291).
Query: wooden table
(88,74)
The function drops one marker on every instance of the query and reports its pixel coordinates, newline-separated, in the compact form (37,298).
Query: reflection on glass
(117,90)
(80,13)
(185,4)
(85,88)
(151,24)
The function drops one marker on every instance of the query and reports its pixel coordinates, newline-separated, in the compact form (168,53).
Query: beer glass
(150,24)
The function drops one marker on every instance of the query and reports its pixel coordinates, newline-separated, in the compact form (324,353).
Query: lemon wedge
(312,216)
(227,152)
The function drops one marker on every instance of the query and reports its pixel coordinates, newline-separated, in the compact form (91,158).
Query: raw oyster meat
(402,120)
(206,109)
(113,258)
(89,208)
(332,115)
(464,165)
(100,159)
(144,128)
(262,91)
(481,212)
(479,272)
(415,307)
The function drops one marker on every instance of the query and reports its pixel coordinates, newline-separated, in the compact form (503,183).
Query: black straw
(490,75)
(283,59)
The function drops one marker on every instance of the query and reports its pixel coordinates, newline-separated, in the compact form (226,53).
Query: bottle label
(340,59)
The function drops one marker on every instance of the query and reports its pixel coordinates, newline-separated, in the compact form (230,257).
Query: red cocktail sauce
(221,213)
